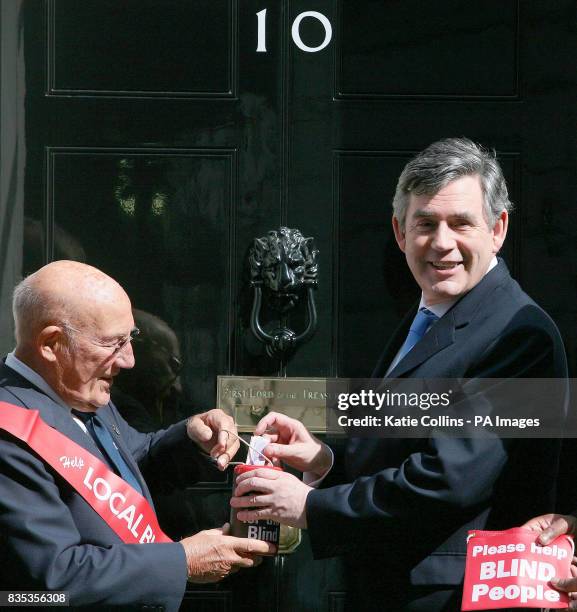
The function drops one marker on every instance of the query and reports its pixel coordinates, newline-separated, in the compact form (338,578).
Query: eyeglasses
(114,348)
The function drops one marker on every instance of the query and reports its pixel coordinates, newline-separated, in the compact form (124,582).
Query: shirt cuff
(312,479)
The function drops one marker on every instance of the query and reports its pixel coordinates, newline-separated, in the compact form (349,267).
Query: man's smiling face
(447,241)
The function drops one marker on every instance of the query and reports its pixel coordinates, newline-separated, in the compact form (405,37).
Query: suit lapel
(442,333)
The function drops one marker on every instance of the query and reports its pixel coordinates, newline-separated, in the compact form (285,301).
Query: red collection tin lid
(245,467)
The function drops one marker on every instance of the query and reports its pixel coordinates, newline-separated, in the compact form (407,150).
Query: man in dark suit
(402,516)
(74,328)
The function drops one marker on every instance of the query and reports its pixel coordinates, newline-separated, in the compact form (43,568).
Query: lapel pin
(115,430)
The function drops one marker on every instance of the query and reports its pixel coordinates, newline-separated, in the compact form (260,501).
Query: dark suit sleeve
(168,458)
(430,485)
(444,477)
(46,544)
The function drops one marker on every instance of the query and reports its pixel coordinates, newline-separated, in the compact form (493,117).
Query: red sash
(124,510)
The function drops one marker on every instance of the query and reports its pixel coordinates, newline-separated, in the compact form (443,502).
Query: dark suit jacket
(403,517)
(51,539)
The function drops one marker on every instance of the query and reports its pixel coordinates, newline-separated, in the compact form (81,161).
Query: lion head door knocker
(283,267)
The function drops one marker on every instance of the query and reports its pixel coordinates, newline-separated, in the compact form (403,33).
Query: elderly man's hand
(271,495)
(292,443)
(215,432)
(212,555)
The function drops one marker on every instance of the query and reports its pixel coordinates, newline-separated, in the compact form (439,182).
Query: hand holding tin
(266,494)
(211,555)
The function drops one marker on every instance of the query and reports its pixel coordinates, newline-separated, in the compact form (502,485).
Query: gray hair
(33,309)
(445,161)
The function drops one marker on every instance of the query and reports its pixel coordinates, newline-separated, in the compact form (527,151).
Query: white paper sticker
(257,443)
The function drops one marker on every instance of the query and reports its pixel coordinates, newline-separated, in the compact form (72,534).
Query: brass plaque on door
(249,398)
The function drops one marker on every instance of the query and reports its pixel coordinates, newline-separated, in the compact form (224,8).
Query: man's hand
(569,585)
(271,495)
(210,430)
(292,443)
(212,555)
(551,526)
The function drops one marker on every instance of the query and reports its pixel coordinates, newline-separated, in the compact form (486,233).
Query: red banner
(125,511)
(509,569)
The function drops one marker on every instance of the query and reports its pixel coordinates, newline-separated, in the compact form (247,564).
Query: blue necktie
(100,434)
(421,323)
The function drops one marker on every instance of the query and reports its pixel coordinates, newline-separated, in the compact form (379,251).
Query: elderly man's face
(87,368)
(447,241)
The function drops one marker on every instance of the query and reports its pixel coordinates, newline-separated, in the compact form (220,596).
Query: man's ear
(500,231)
(399,234)
(49,341)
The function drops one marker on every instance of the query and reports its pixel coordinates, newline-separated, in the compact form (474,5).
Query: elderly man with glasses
(75,512)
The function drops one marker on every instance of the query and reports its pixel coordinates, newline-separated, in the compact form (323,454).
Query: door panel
(424,50)
(161,223)
(142,48)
